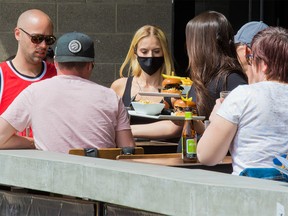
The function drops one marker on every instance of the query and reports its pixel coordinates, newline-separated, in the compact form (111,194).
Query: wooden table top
(154,143)
(157,147)
(175,160)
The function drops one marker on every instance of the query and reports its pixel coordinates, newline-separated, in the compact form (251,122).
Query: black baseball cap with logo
(74,47)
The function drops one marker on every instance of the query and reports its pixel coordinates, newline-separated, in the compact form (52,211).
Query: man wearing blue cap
(68,111)
(243,39)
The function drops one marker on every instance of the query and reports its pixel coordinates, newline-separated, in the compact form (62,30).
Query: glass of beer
(224,94)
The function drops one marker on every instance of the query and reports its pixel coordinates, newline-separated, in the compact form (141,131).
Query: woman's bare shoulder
(121,82)
(119,85)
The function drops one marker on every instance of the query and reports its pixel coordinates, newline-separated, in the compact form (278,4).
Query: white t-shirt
(69,112)
(260,111)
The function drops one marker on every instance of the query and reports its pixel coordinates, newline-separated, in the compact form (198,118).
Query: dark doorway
(183,11)
(238,12)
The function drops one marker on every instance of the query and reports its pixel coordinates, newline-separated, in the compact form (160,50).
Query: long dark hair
(212,54)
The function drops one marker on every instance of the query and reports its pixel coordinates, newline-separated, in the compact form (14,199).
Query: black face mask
(150,64)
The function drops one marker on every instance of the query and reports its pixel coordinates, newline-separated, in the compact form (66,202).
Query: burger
(180,107)
(172,85)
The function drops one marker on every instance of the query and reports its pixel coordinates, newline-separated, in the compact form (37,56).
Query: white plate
(164,117)
(159,94)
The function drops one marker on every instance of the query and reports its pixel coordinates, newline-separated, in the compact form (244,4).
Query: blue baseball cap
(248,31)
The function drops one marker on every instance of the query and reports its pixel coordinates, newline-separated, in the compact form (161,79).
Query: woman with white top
(252,121)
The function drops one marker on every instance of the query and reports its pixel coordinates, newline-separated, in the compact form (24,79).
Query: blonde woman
(148,57)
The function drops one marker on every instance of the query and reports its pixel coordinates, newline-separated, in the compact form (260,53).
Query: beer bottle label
(190,146)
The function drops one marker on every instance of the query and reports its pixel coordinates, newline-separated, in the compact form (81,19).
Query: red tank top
(12,82)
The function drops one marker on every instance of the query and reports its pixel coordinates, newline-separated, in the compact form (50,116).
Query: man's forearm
(18,142)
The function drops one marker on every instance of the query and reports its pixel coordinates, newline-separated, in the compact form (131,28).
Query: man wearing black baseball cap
(243,39)
(68,111)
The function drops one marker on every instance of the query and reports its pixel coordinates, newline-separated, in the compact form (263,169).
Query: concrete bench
(160,189)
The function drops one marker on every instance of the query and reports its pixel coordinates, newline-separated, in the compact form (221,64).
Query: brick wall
(111,23)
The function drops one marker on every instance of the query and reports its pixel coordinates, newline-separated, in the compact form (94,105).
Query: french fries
(145,101)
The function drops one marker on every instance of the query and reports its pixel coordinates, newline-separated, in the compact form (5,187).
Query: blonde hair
(131,59)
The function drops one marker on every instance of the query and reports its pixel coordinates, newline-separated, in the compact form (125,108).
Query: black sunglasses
(38,38)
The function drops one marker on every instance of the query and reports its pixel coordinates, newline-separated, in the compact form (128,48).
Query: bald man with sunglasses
(34,33)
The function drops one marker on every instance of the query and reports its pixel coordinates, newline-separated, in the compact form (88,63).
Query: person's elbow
(124,138)
(206,154)
(205,159)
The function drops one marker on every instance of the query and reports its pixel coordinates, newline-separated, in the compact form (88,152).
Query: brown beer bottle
(189,140)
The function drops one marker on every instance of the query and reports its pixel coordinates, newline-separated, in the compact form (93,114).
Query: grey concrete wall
(111,23)
(166,190)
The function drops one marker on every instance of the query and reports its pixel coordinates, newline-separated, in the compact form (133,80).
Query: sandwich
(172,86)
(180,107)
